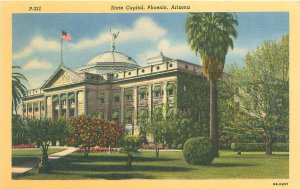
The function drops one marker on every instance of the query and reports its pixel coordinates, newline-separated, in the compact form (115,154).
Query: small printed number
(280,183)
(35,8)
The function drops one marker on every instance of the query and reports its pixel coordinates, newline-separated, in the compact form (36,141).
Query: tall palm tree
(211,35)
(18,88)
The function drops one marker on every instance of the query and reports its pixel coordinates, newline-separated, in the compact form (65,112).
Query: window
(170,89)
(142,113)
(142,96)
(128,94)
(157,91)
(116,97)
(115,115)
(128,114)
(36,107)
(156,94)
(129,98)
(101,97)
(42,106)
(142,93)
(128,121)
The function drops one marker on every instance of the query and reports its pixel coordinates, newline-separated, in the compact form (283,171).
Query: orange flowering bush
(112,132)
(90,131)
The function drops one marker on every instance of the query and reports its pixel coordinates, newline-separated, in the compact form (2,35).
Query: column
(85,105)
(135,108)
(67,106)
(76,104)
(175,95)
(26,105)
(45,106)
(32,110)
(59,106)
(122,110)
(40,109)
(108,103)
(165,102)
(150,99)
(52,107)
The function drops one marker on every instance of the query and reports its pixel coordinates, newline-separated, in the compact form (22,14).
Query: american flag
(66,36)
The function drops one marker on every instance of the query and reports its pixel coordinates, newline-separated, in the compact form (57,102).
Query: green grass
(20,156)
(170,165)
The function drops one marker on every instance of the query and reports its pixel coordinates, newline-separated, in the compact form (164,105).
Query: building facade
(114,87)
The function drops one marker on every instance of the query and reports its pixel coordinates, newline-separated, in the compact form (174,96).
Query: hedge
(198,151)
(250,147)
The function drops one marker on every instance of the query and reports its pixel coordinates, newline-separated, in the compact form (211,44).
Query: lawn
(20,156)
(170,165)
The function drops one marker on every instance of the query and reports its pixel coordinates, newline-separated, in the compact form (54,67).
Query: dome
(111,57)
(109,62)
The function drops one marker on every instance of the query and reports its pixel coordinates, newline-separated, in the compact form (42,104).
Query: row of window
(142,94)
(35,107)
(142,113)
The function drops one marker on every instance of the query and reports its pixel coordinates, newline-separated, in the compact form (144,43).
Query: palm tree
(18,88)
(211,35)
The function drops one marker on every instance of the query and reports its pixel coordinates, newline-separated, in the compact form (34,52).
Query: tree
(211,35)
(227,112)
(87,132)
(180,127)
(130,145)
(156,128)
(264,89)
(111,134)
(58,130)
(40,131)
(19,132)
(18,88)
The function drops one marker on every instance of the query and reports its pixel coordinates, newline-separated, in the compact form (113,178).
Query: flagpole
(61,49)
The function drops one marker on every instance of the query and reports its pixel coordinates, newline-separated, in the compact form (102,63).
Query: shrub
(198,151)
(251,147)
(130,146)
(152,146)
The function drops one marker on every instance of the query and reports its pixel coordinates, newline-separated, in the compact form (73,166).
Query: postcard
(149,94)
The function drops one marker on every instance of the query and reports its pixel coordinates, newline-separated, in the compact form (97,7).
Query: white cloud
(37,65)
(169,49)
(238,51)
(144,29)
(37,81)
(37,44)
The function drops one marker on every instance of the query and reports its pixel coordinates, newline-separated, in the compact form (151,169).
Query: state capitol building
(113,86)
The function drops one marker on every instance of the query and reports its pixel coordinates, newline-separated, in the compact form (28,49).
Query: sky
(37,45)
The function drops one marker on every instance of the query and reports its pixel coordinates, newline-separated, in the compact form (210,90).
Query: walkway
(33,164)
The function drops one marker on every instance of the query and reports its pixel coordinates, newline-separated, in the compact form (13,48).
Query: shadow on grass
(20,160)
(75,167)
(96,175)
(116,158)
(259,156)
(231,165)
(118,176)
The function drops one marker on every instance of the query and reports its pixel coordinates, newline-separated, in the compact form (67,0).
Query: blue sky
(36,38)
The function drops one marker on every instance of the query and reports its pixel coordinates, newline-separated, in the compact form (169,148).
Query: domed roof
(111,57)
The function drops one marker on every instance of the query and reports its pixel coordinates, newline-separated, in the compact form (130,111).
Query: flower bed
(23,146)
(152,146)
(98,149)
